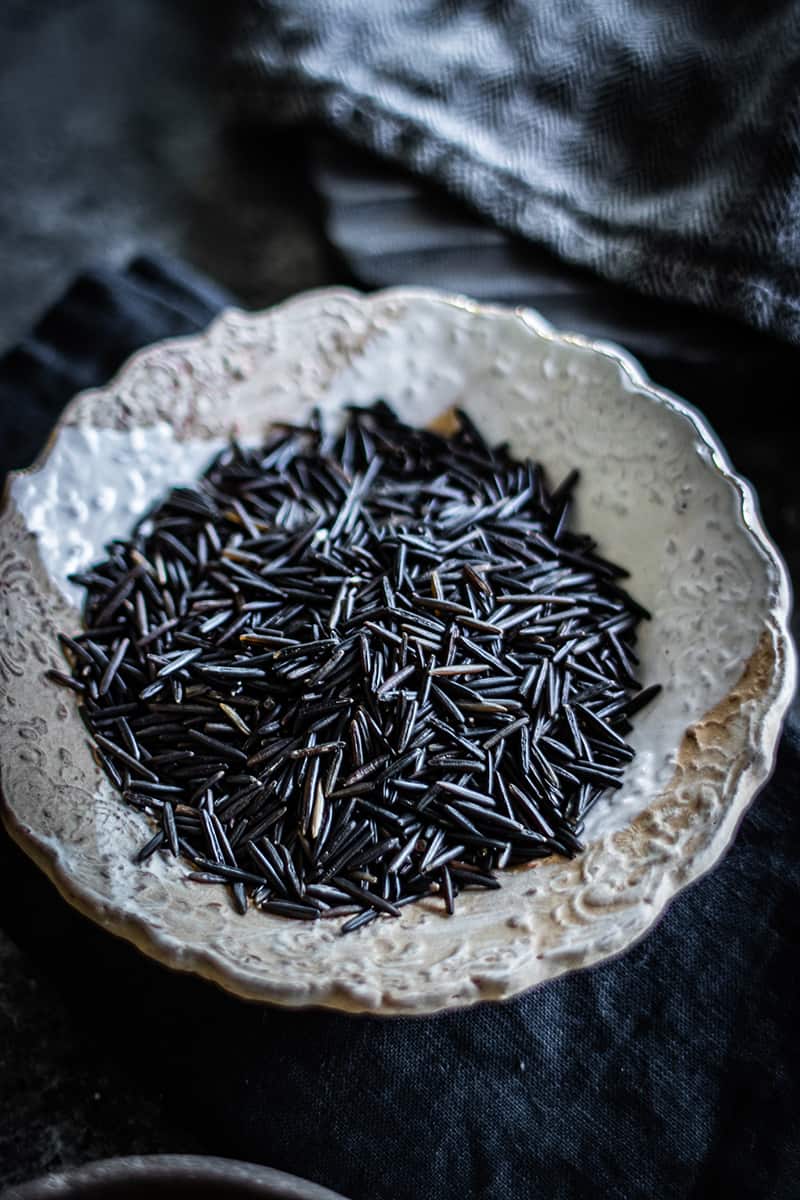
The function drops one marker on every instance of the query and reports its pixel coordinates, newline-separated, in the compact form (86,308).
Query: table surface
(112,143)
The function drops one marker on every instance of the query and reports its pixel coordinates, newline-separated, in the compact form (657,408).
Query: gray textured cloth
(655,141)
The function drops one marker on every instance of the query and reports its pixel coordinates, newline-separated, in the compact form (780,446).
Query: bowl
(657,492)
(160,1176)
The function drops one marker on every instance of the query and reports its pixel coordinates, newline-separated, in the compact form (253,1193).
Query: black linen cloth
(671,1072)
(656,142)
(84,338)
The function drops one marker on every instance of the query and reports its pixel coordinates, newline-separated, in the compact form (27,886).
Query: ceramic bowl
(658,493)
(161,1176)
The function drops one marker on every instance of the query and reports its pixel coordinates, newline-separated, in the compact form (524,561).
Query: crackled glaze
(657,493)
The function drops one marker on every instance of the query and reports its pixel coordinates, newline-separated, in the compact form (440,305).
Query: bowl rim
(206,964)
(252,1179)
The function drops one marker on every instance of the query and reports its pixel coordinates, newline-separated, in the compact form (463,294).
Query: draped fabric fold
(657,143)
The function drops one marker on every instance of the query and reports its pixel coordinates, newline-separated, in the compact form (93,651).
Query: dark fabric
(391,228)
(84,338)
(653,141)
(671,1072)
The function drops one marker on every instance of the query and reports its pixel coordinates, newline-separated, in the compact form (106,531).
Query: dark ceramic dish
(169,1175)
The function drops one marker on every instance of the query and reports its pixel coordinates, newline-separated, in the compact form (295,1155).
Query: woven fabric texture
(655,141)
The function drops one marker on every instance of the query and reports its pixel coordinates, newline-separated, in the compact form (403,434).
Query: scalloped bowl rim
(206,962)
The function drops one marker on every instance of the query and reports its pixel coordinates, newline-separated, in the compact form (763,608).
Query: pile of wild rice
(345,672)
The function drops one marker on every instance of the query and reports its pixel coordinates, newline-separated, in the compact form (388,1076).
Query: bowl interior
(648,493)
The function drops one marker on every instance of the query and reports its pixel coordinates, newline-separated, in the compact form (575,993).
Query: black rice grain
(346,672)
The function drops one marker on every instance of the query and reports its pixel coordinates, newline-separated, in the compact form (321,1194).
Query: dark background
(116,138)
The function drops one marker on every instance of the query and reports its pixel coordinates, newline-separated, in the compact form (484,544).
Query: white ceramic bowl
(657,492)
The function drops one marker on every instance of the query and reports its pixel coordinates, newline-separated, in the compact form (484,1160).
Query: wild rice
(345,673)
